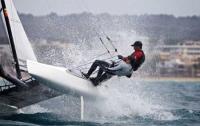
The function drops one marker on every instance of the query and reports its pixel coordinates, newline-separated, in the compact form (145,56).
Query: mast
(10,36)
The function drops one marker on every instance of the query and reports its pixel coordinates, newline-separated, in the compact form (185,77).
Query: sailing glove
(120,57)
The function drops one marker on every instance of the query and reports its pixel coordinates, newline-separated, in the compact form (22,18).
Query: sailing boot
(94,81)
(91,70)
(85,75)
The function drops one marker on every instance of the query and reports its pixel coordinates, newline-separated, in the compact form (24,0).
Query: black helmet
(138,44)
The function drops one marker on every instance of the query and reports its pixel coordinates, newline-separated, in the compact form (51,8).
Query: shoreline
(178,79)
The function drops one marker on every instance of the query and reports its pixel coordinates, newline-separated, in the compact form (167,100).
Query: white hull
(59,79)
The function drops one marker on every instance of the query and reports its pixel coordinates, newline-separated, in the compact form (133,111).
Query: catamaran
(44,81)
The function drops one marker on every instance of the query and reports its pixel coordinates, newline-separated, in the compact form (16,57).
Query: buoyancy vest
(136,63)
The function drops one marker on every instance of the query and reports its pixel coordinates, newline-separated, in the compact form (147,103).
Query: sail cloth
(22,45)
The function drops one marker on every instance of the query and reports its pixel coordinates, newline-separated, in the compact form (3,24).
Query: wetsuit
(107,70)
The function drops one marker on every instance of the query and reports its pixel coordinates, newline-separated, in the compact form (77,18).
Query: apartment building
(182,60)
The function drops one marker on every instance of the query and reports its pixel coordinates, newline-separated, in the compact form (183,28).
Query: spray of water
(128,98)
(125,97)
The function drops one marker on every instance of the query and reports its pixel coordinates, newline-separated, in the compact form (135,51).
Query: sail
(22,45)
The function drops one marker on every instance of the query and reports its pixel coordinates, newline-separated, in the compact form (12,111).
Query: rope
(101,40)
(89,61)
(100,55)
(111,42)
(108,38)
(79,67)
(87,8)
(104,45)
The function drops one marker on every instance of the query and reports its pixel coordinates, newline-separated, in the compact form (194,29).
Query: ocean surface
(128,103)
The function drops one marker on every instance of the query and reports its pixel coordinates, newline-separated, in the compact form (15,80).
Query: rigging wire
(102,42)
(80,67)
(111,42)
(104,46)
(108,38)
(98,56)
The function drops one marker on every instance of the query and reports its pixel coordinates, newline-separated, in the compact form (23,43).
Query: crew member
(125,67)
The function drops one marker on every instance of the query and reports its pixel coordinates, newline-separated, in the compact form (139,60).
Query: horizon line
(106,13)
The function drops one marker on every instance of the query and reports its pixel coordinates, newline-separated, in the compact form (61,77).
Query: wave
(185,117)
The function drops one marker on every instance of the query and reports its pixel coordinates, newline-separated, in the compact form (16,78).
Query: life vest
(137,63)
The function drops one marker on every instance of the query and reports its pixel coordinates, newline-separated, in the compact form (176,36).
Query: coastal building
(182,60)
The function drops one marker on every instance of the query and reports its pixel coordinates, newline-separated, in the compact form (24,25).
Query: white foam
(125,97)
(34,109)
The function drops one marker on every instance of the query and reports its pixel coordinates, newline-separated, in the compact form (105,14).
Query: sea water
(128,103)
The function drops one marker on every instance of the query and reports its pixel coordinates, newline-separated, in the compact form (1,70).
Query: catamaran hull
(12,95)
(59,79)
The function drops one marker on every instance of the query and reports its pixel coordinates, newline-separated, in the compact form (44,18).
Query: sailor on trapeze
(124,67)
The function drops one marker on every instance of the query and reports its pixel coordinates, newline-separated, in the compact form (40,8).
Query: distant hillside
(70,28)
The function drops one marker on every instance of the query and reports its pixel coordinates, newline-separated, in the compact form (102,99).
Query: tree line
(70,28)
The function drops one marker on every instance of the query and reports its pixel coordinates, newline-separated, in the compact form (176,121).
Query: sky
(116,7)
